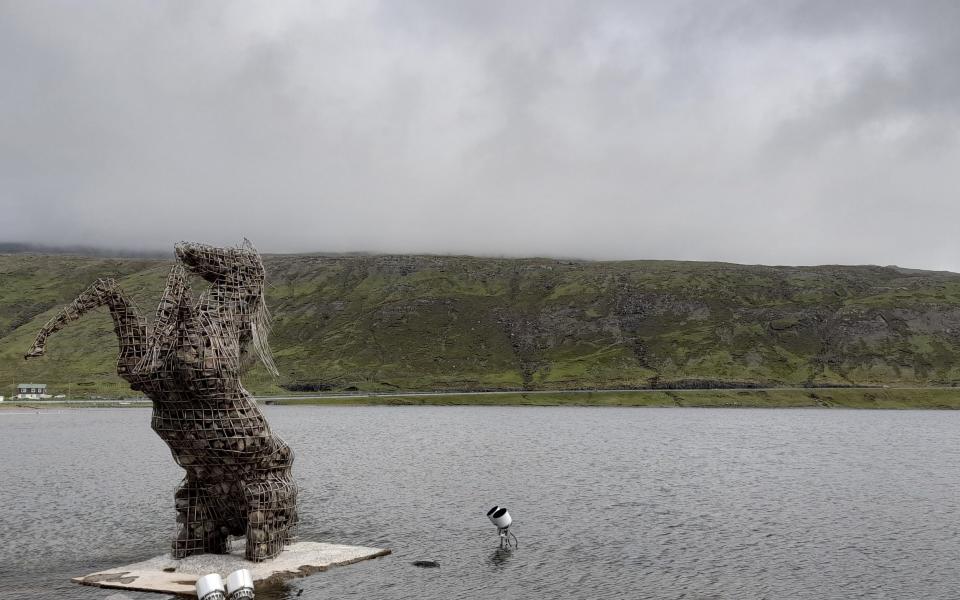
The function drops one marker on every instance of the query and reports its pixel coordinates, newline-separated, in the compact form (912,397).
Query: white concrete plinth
(168,575)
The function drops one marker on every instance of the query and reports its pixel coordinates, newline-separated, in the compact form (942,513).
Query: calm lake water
(607,502)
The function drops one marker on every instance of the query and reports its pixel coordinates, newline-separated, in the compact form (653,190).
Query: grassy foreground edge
(865,398)
(905,398)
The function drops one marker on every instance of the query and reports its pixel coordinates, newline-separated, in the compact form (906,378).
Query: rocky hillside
(460,323)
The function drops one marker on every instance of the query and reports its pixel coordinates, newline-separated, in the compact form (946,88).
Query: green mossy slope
(461,323)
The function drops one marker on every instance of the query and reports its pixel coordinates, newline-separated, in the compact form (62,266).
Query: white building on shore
(32,391)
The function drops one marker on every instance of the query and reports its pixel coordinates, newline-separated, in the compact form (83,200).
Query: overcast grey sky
(786,132)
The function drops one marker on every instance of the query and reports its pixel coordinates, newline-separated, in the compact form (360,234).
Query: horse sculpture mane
(238,480)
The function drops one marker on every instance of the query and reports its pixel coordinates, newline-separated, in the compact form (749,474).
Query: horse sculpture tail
(129,326)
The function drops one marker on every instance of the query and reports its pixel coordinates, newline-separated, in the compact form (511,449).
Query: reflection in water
(499,557)
(640,503)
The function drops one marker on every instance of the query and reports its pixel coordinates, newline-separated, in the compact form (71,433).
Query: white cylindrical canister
(491,511)
(240,585)
(210,587)
(501,518)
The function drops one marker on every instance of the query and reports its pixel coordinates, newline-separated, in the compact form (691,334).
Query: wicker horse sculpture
(188,363)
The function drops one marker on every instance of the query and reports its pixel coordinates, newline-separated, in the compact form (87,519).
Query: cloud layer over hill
(792,132)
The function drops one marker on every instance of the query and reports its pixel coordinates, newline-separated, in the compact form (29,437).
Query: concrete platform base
(168,575)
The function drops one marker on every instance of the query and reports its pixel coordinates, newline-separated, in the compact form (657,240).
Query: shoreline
(852,398)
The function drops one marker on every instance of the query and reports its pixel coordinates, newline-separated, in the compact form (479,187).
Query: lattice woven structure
(188,363)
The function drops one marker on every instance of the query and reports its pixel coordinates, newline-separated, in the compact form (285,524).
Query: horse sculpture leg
(271,499)
(201,527)
(174,310)
(129,326)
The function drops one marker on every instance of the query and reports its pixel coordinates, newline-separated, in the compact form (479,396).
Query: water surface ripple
(607,502)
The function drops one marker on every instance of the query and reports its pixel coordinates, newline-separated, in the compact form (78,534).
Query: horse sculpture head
(237,280)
